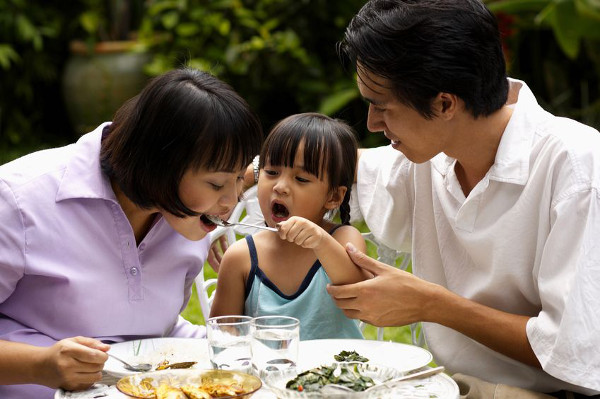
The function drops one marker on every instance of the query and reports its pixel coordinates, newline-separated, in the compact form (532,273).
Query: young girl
(306,171)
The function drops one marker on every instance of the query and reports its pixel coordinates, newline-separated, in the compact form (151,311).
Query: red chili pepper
(300,388)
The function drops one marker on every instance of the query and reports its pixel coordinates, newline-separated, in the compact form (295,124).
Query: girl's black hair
(330,148)
(425,47)
(184,119)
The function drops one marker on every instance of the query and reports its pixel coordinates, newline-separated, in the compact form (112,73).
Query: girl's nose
(281,187)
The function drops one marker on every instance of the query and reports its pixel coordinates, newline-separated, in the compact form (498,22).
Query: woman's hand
(72,363)
(302,232)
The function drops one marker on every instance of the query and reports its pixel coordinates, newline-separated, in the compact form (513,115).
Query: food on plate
(164,365)
(189,384)
(350,356)
(347,375)
(165,391)
(194,392)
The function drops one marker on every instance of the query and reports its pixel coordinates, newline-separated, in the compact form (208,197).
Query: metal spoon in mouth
(224,223)
(137,367)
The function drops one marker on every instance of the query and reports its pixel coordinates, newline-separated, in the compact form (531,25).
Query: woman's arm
(328,249)
(72,363)
(231,283)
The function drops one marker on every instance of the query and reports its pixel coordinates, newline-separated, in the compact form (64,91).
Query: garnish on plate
(350,356)
(164,365)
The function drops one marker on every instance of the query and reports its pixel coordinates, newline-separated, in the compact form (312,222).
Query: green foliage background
(278,54)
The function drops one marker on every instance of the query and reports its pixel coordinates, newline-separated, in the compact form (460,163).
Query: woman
(100,240)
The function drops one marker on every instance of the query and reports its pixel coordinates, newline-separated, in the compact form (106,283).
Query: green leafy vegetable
(347,356)
(347,375)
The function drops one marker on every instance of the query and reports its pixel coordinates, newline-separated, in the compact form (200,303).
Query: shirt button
(142,246)
(133,271)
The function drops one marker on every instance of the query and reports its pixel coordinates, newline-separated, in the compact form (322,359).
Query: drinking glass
(275,342)
(229,345)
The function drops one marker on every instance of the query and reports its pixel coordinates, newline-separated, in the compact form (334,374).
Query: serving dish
(401,357)
(145,385)
(374,375)
(156,351)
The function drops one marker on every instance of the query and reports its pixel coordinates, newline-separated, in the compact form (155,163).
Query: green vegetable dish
(347,356)
(347,375)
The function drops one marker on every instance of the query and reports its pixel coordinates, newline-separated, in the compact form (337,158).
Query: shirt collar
(512,158)
(83,177)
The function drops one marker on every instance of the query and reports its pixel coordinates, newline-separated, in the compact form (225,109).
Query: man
(498,201)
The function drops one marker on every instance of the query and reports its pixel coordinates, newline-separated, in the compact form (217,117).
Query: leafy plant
(280,55)
(110,20)
(554,45)
(31,58)
(572,21)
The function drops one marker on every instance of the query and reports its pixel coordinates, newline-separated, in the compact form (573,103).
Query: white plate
(402,357)
(157,350)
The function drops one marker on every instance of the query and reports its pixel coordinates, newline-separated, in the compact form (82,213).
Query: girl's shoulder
(344,234)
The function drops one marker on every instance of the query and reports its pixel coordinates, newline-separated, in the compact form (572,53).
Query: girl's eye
(302,179)
(216,187)
(270,172)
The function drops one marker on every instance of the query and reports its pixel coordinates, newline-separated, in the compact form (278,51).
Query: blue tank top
(319,317)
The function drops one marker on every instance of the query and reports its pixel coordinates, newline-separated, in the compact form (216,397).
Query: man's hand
(72,363)
(391,298)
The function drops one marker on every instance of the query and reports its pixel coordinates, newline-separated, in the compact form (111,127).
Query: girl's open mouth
(279,212)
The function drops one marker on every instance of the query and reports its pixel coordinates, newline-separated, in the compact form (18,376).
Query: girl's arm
(231,282)
(329,249)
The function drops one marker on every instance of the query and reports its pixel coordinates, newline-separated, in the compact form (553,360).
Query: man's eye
(216,187)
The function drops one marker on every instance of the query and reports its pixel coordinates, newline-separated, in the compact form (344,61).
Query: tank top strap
(253,264)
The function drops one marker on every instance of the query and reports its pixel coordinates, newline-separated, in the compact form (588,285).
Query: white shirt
(526,241)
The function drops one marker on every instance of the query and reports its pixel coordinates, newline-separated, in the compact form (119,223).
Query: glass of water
(275,342)
(229,345)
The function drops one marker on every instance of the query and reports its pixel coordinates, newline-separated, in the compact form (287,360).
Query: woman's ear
(336,196)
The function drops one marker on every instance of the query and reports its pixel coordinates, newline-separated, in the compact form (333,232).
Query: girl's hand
(302,232)
(73,363)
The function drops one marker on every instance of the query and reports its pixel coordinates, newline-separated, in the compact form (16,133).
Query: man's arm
(396,298)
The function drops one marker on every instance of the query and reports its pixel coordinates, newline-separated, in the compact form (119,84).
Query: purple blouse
(69,264)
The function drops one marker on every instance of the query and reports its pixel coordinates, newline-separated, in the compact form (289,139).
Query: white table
(314,353)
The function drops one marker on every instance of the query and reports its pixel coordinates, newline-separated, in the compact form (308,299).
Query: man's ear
(336,196)
(445,105)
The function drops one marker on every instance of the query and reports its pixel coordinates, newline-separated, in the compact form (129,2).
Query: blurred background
(66,66)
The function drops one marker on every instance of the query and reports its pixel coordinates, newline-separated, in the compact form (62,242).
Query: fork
(224,223)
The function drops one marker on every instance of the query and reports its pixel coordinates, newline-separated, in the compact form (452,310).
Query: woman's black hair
(330,148)
(424,47)
(184,119)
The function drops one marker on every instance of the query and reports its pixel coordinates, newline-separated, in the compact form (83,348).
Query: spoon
(136,367)
(224,223)
(338,389)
